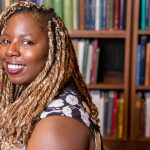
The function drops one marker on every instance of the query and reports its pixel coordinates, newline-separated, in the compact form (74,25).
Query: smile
(14,69)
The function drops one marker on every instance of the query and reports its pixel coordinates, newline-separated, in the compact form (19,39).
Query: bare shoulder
(61,133)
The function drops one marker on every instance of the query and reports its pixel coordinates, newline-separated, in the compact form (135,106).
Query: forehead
(33,21)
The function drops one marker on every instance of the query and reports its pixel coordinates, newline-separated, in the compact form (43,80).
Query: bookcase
(140,87)
(117,81)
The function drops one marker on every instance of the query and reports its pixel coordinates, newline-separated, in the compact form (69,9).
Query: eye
(26,43)
(5,41)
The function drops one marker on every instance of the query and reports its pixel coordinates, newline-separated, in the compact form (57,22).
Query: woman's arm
(61,133)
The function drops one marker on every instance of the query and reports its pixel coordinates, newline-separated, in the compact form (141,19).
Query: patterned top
(69,103)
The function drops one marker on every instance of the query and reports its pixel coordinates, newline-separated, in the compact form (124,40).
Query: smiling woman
(44,102)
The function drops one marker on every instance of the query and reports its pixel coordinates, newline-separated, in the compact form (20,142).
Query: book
(147,114)
(68,13)
(137,113)
(147,67)
(143,15)
(116,14)
(95,46)
(104,15)
(114,114)
(89,64)
(110,111)
(81,52)
(89,14)
(102,97)
(138,68)
(111,14)
(122,14)
(76,14)
(97,14)
(143,41)
(97,69)
(58,6)
(120,116)
(85,56)
(82,14)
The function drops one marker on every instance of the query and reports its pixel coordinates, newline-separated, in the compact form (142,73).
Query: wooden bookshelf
(137,32)
(118,82)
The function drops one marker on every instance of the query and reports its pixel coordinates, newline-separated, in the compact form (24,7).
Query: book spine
(114,114)
(97,15)
(49,3)
(104,14)
(143,59)
(107,13)
(68,13)
(147,67)
(138,69)
(143,14)
(120,119)
(147,14)
(111,16)
(122,14)
(116,14)
(95,46)
(58,6)
(82,14)
(76,14)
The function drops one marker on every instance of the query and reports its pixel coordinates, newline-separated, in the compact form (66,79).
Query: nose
(13,50)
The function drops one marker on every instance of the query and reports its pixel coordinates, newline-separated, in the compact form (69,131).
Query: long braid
(18,113)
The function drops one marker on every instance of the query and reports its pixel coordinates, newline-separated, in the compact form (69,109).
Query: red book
(116,14)
(114,115)
(93,72)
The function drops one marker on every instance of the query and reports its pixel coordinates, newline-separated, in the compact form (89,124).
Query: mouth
(14,69)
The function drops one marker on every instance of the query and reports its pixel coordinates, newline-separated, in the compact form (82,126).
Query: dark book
(143,41)
(122,14)
(89,12)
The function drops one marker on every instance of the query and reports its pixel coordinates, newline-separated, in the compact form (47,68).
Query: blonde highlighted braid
(18,106)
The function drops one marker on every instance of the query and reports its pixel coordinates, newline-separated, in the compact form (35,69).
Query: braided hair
(18,106)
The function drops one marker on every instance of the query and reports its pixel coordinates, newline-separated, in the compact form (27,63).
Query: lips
(13,69)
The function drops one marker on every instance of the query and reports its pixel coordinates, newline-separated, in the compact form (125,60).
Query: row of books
(86,14)
(143,62)
(144,14)
(88,54)
(111,111)
(103,15)
(91,14)
(142,116)
(98,57)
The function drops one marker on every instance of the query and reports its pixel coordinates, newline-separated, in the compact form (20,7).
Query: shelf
(105,86)
(97,34)
(143,87)
(143,139)
(112,138)
(146,32)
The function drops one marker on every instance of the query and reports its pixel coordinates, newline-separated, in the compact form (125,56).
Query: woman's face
(23,48)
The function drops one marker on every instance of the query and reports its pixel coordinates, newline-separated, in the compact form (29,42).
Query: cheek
(2,53)
(34,56)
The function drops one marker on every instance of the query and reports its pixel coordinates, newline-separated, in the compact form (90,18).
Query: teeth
(13,66)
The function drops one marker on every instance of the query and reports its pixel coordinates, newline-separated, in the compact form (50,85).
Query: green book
(143,14)
(68,13)
(111,17)
(58,6)
(76,14)
(48,3)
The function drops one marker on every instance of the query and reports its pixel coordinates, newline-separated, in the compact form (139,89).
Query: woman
(40,78)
